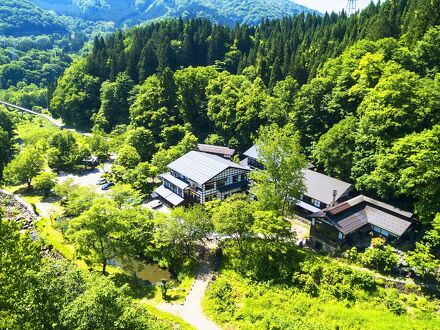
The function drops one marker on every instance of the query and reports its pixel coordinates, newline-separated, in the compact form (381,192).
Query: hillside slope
(21,18)
(131,12)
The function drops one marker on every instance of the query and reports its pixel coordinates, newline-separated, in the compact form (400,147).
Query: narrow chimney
(335,192)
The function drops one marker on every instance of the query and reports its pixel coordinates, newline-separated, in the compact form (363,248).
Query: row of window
(184,179)
(173,188)
(381,231)
(223,182)
(311,201)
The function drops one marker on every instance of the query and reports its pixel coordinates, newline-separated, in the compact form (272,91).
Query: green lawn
(238,303)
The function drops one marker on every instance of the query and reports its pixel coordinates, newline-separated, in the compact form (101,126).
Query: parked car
(156,204)
(101,181)
(107,186)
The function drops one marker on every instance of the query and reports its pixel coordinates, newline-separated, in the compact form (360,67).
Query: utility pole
(351,7)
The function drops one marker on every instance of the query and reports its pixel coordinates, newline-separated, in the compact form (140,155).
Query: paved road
(56,122)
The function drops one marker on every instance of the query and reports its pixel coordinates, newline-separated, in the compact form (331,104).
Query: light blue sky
(329,5)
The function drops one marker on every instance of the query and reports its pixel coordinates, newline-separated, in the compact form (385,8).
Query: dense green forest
(36,47)
(294,47)
(358,96)
(21,18)
(132,12)
(246,77)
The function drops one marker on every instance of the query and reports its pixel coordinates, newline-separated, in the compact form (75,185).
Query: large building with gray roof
(198,177)
(323,191)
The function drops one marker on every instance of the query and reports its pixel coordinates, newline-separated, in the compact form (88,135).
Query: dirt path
(191,310)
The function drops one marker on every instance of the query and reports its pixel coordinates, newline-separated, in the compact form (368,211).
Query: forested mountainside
(363,104)
(132,12)
(36,47)
(22,18)
(358,97)
(294,47)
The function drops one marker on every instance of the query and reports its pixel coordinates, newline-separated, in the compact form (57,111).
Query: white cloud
(330,5)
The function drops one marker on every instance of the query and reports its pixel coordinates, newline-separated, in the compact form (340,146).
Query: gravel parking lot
(88,177)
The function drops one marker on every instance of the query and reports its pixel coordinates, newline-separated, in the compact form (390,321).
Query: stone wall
(18,210)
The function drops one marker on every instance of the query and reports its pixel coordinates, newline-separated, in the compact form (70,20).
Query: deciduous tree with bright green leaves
(281,182)
(25,167)
(334,150)
(234,218)
(178,235)
(97,233)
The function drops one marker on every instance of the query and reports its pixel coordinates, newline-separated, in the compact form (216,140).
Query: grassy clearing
(54,238)
(238,303)
(32,129)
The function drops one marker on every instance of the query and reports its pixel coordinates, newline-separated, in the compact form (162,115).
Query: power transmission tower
(351,7)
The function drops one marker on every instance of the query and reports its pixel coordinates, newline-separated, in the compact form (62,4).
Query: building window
(235,178)
(316,203)
(382,231)
(209,186)
(221,183)
(341,236)
(313,221)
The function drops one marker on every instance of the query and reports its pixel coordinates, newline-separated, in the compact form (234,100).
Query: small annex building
(250,160)
(355,221)
(224,152)
(199,177)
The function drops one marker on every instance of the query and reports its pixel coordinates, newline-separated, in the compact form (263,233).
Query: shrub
(381,258)
(220,293)
(341,282)
(393,302)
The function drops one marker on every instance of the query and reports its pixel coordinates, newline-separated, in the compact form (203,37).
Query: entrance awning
(308,207)
(168,195)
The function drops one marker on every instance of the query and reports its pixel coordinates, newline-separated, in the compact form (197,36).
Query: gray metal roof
(244,163)
(361,210)
(201,167)
(215,149)
(387,221)
(169,195)
(320,186)
(252,152)
(375,217)
(361,198)
(175,181)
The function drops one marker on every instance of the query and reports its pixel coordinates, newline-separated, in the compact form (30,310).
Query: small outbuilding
(355,221)
(224,152)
